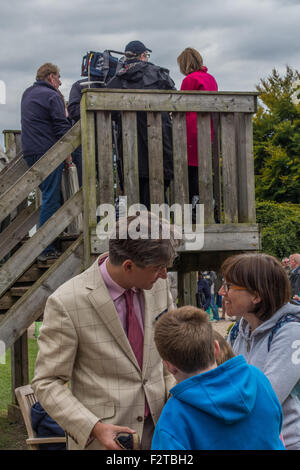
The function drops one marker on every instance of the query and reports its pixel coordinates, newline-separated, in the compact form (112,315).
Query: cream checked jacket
(82,341)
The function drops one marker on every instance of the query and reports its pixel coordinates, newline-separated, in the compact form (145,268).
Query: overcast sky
(241,41)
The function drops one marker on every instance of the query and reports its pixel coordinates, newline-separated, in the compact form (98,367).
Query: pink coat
(202,81)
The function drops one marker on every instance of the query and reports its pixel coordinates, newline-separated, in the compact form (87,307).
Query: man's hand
(105,433)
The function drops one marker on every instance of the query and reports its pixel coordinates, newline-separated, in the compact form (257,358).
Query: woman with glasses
(196,79)
(257,289)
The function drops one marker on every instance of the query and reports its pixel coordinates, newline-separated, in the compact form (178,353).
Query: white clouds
(240,40)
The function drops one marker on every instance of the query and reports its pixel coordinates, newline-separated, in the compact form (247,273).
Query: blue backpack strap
(234,331)
(289,317)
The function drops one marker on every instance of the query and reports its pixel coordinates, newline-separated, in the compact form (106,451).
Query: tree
(280,227)
(276,138)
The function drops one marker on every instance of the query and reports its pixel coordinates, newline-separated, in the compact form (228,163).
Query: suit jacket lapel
(148,328)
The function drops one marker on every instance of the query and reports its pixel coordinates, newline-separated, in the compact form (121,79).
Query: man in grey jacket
(295,274)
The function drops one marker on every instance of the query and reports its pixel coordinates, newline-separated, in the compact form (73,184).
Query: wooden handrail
(27,309)
(25,256)
(39,171)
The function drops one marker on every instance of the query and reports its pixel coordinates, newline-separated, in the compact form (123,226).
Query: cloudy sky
(241,41)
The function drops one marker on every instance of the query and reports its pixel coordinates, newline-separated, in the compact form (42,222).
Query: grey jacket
(281,364)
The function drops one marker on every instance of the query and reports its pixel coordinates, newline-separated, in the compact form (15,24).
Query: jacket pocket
(102,410)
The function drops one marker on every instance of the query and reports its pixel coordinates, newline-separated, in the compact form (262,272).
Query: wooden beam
(130,158)
(217,237)
(20,261)
(155,158)
(88,176)
(18,229)
(172,101)
(12,172)
(229,165)
(39,171)
(205,176)
(245,166)
(105,157)
(27,309)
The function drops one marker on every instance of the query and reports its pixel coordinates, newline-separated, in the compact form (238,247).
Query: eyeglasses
(147,54)
(226,286)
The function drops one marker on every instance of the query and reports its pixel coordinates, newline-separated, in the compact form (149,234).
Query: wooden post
(19,365)
(155,158)
(88,177)
(130,157)
(229,168)
(205,177)
(245,164)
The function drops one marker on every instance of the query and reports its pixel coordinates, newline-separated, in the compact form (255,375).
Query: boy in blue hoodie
(230,406)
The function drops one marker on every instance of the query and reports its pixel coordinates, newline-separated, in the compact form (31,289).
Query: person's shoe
(222,318)
(44,257)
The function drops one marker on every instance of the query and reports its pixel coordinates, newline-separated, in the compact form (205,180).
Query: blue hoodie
(230,407)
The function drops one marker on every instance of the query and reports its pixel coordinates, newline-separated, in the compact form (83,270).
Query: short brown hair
(226,351)
(262,274)
(142,251)
(190,60)
(45,70)
(184,337)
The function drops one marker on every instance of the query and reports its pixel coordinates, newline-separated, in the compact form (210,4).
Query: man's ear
(217,348)
(171,368)
(127,265)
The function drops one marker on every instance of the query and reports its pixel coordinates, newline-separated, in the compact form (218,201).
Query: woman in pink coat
(191,64)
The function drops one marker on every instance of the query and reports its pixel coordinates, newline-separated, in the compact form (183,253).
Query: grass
(12,435)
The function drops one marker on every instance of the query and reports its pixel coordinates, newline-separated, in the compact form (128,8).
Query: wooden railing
(226,169)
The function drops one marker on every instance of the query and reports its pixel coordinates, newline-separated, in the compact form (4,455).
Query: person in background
(44,122)
(196,79)
(203,292)
(141,74)
(212,407)
(295,274)
(256,287)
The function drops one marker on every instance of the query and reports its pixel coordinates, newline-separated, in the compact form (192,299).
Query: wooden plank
(88,176)
(217,237)
(6,301)
(18,291)
(130,158)
(245,163)
(155,158)
(20,261)
(18,229)
(229,166)
(205,176)
(27,309)
(216,167)
(181,192)
(184,289)
(39,171)
(105,157)
(19,364)
(31,275)
(172,101)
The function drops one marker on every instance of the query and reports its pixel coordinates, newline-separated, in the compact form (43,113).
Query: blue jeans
(214,308)
(51,194)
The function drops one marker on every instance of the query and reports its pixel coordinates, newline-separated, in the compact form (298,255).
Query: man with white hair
(295,273)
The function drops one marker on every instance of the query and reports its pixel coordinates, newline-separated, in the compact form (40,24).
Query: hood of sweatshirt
(268,325)
(228,396)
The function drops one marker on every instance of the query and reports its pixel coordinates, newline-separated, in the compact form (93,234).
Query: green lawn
(12,436)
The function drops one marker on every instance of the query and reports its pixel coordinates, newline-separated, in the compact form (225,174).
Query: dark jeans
(77,159)
(51,194)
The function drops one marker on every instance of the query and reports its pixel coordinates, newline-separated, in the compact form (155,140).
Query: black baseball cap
(136,47)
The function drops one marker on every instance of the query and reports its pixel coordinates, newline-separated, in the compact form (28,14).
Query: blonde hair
(45,70)
(184,337)
(190,60)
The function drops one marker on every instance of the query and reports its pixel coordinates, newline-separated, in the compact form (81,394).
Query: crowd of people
(133,363)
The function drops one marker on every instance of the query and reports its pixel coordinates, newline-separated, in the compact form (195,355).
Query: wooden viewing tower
(226,188)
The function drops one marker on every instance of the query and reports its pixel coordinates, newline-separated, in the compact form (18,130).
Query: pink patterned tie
(135,335)
(134,331)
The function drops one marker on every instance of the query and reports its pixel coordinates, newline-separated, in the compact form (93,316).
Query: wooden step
(6,301)
(18,291)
